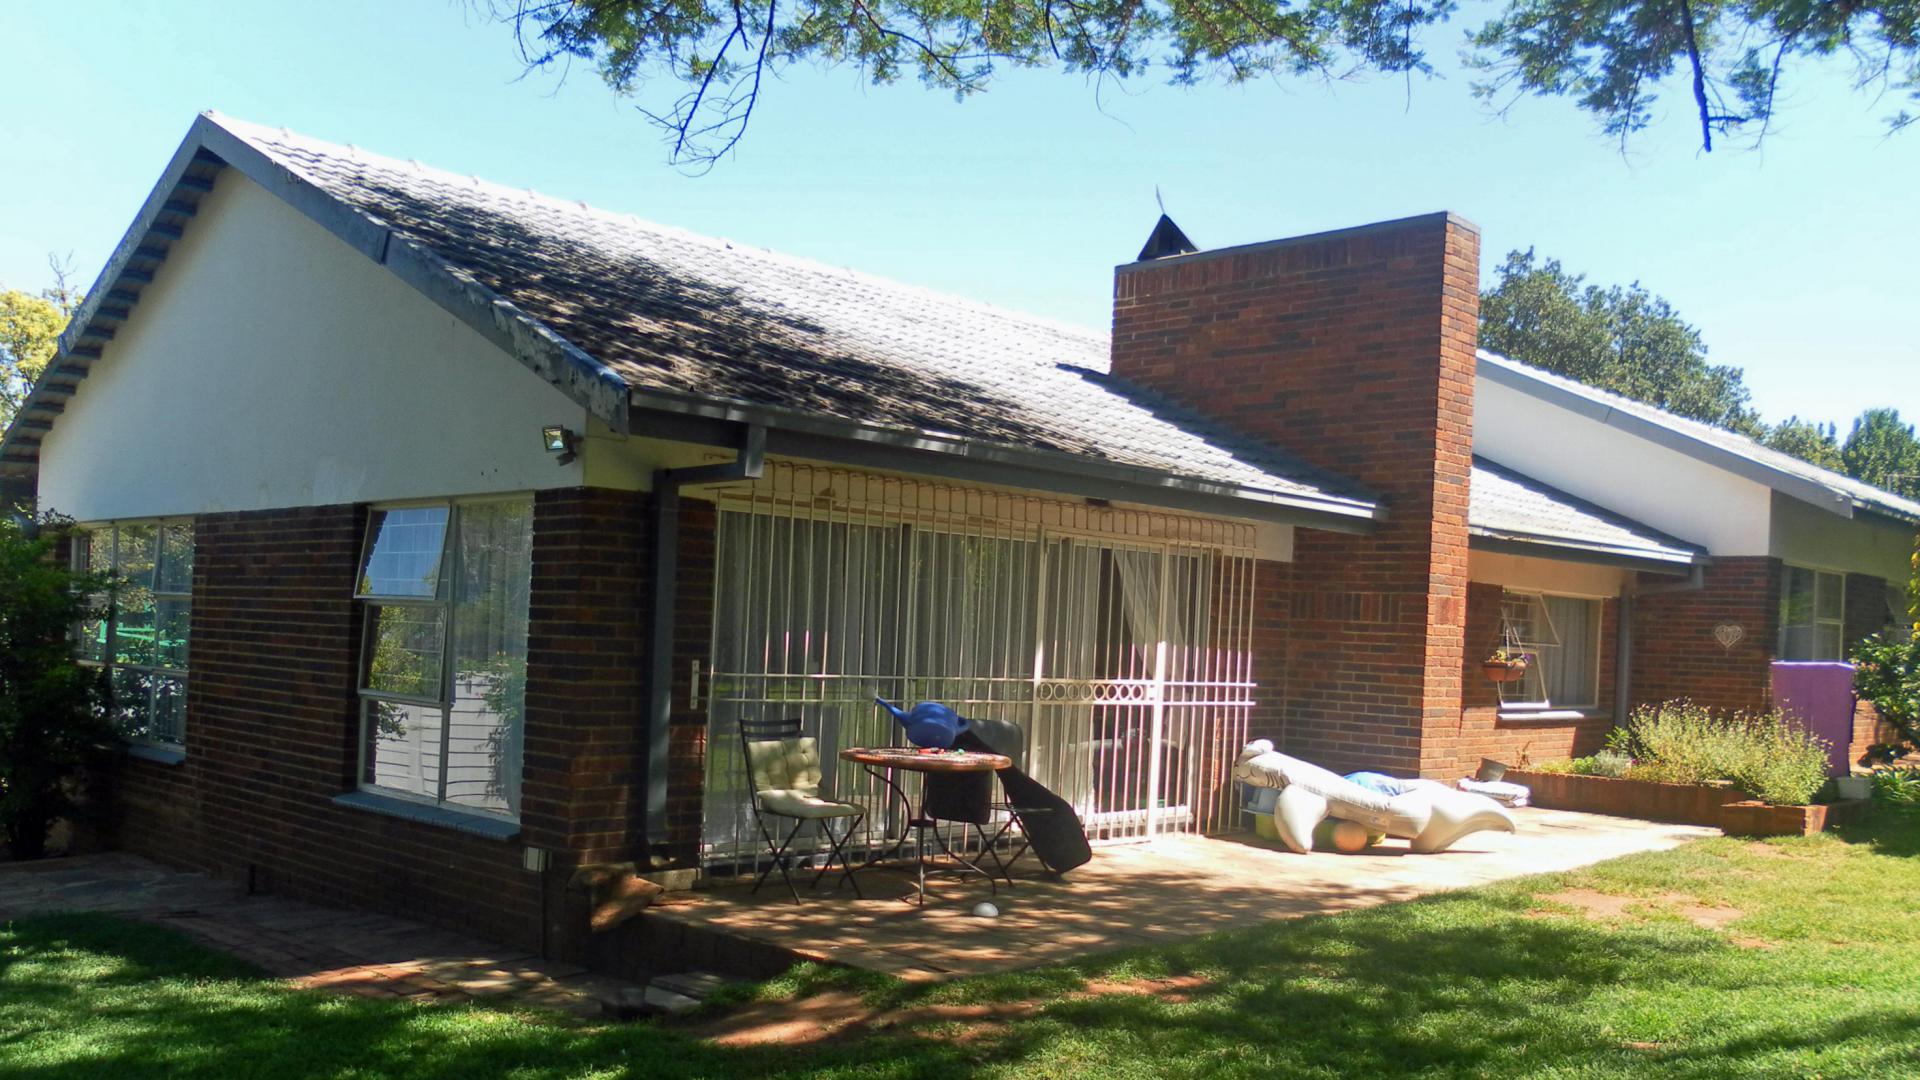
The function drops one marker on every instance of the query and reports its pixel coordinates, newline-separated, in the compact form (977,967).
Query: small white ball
(986,910)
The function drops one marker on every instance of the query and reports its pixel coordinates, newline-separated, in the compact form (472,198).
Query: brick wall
(273,720)
(1484,734)
(1272,585)
(1866,607)
(1675,653)
(1354,351)
(586,673)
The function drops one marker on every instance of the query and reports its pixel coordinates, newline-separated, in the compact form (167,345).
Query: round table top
(903,757)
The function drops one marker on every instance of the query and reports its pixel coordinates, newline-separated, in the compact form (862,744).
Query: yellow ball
(1345,837)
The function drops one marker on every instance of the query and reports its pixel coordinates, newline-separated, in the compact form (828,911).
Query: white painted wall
(270,365)
(1727,514)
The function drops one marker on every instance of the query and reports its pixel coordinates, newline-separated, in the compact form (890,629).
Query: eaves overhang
(1806,490)
(1538,546)
(800,434)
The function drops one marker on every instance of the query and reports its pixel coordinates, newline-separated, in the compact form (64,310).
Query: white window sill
(1548,716)
(487,825)
(159,755)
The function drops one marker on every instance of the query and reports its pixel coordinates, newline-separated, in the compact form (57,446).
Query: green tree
(1808,440)
(53,723)
(1618,338)
(30,327)
(1882,451)
(1614,57)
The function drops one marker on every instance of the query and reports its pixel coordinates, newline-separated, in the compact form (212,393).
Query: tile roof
(1508,505)
(669,310)
(1714,445)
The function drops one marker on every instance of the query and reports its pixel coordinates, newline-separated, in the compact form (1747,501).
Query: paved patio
(1139,894)
(350,952)
(1129,895)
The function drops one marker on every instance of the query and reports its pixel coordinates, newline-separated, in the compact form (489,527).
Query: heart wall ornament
(1728,635)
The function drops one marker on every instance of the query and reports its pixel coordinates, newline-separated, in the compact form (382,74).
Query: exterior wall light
(559,440)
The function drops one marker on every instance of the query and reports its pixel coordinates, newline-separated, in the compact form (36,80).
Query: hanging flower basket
(1504,667)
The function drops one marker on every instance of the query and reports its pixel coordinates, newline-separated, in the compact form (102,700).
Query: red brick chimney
(1353,350)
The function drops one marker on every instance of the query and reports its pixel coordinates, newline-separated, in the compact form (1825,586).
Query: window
(142,641)
(1813,608)
(1562,635)
(443,676)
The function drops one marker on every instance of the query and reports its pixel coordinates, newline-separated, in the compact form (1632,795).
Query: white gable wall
(270,365)
(1727,514)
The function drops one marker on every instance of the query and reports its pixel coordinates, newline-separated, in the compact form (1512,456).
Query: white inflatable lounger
(1432,816)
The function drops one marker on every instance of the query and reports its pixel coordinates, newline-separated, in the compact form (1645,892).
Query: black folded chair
(1048,825)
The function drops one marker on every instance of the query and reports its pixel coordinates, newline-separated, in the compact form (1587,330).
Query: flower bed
(1680,804)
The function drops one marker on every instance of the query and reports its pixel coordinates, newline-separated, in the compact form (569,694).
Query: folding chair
(1007,738)
(784,767)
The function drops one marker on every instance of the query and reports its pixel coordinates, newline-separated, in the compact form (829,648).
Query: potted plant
(1506,665)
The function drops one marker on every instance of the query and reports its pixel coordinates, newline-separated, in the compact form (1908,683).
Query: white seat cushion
(802,804)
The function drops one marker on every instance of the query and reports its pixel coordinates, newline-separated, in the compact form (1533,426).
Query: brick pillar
(1353,350)
(586,674)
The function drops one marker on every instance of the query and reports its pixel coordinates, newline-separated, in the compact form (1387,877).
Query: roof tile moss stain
(669,310)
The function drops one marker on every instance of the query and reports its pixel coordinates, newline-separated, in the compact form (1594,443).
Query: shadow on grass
(1464,984)
(1888,829)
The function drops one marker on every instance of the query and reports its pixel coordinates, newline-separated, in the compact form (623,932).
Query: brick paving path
(354,952)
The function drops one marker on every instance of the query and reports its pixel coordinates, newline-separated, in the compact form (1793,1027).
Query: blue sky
(1797,261)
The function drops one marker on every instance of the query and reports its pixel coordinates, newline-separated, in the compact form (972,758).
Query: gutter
(748,465)
(792,433)
(1541,547)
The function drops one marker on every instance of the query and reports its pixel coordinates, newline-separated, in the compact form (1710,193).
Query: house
(467,523)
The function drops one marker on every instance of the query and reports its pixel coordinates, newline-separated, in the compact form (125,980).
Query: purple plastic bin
(1820,696)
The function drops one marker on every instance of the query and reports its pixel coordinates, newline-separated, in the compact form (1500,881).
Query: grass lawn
(1725,958)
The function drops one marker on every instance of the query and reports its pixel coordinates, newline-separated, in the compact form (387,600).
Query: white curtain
(1571,671)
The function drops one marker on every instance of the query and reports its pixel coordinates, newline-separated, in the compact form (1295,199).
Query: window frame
(1816,621)
(442,601)
(80,557)
(1548,704)
(446,540)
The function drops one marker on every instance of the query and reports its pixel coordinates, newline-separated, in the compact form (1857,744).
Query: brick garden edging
(1680,804)
(1720,806)
(1754,818)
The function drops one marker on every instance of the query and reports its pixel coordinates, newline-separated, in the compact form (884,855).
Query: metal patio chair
(784,767)
(1007,738)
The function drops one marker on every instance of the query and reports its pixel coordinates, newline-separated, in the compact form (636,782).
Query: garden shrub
(53,724)
(1604,763)
(1767,755)
(1784,763)
(1887,673)
(1899,786)
(1679,742)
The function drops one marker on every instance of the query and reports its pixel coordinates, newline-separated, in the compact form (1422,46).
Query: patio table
(883,762)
